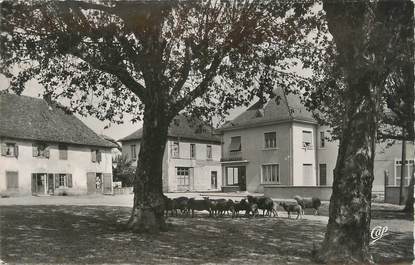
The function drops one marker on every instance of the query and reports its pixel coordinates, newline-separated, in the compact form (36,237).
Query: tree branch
(119,72)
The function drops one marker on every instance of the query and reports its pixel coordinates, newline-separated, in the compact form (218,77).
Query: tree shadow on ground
(97,234)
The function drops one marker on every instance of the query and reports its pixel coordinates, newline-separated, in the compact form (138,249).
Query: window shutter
(99,156)
(93,156)
(47,152)
(16,150)
(56,180)
(69,180)
(3,149)
(35,151)
(63,152)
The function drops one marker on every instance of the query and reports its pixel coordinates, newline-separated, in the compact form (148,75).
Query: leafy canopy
(106,58)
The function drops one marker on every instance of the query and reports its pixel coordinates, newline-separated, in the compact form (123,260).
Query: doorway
(94,182)
(214,180)
(39,183)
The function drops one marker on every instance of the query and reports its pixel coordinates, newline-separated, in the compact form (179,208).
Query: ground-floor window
(270,174)
(44,183)
(183,177)
(232,176)
(235,176)
(409,167)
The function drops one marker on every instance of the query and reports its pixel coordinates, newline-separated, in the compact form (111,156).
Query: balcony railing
(232,156)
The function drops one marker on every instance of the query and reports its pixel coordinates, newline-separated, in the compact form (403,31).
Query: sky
(116,131)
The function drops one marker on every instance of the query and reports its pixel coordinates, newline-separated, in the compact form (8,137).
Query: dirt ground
(53,231)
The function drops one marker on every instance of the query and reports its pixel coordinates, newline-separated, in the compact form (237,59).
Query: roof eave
(253,125)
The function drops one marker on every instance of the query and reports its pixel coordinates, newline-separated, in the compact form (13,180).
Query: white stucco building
(191,159)
(279,146)
(45,151)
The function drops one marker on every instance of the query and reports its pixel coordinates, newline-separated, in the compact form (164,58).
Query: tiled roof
(184,128)
(281,108)
(23,117)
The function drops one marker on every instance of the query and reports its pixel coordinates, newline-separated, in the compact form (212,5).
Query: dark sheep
(199,205)
(168,206)
(313,203)
(266,204)
(243,205)
(292,207)
(181,203)
(217,206)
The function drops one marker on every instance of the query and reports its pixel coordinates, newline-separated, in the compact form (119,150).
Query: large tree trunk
(147,214)
(347,235)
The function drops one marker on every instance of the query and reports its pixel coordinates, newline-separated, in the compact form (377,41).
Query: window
(175,149)
(63,152)
(96,155)
(9,149)
(40,150)
(270,174)
(133,152)
(270,140)
(323,174)
(409,165)
(235,144)
(63,180)
(209,152)
(12,179)
(232,176)
(322,140)
(183,177)
(307,139)
(192,151)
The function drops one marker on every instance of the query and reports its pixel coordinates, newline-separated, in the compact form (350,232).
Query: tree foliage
(108,58)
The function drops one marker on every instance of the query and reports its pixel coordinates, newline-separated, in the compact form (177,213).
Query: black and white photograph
(207,132)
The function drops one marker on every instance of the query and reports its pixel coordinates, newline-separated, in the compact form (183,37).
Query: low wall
(230,188)
(392,194)
(288,192)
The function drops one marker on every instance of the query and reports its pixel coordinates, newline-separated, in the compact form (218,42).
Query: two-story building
(46,151)
(279,144)
(191,160)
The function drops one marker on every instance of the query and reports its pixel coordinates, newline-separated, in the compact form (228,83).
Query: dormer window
(9,149)
(40,150)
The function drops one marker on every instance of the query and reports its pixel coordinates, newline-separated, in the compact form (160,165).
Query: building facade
(45,151)
(279,144)
(191,160)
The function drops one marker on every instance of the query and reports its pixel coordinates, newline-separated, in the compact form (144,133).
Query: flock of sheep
(251,206)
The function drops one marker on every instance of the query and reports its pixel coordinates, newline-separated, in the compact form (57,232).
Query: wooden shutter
(12,179)
(63,152)
(33,183)
(35,151)
(47,152)
(94,156)
(56,181)
(69,180)
(107,183)
(3,149)
(99,156)
(16,150)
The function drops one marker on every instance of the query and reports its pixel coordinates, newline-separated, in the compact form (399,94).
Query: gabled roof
(281,108)
(183,127)
(23,117)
